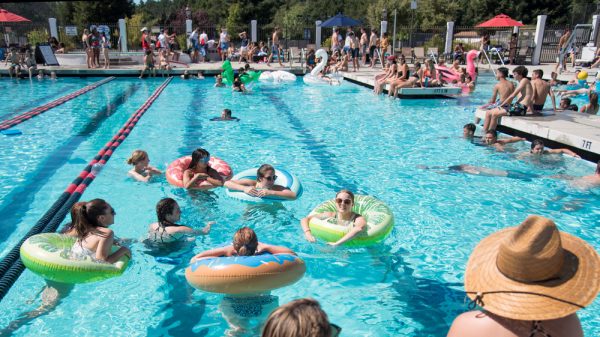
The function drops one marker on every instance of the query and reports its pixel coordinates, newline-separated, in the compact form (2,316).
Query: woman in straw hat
(529,281)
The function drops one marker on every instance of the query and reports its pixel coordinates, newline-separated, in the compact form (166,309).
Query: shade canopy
(340,20)
(6,16)
(501,20)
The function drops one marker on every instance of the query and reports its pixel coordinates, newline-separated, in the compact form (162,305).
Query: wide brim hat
(533,272)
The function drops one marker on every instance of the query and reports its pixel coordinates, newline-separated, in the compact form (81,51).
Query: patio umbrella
(501,20)
(6,16)
(340,20)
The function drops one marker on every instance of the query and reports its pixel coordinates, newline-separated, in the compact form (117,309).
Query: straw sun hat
(533,272)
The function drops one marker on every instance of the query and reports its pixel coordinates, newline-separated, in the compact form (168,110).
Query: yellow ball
(582,75)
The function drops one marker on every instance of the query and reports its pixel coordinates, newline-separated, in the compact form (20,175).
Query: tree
(85,13)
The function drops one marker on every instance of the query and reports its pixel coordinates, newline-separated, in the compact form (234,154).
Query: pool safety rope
(9,123)
(11,266)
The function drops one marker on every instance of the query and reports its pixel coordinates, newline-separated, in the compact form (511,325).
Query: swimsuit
(79,252)
(345,223)
(160,235)
(517,109)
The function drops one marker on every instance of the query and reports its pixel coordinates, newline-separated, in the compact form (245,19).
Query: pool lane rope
(11,265)
(9,123)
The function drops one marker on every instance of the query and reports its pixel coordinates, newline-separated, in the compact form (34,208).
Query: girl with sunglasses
(199,170)
(344,216)
(90,225)
(263,186)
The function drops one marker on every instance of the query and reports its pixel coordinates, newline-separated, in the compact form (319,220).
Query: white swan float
(278,76)
(313,77)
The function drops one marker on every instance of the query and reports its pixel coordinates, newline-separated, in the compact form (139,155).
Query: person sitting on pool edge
(263,186)
(199,170)
(245,243)
(94,238)
(491,138)
(537,148)
(344,201)
(141,170)
(167,230)
(225,116)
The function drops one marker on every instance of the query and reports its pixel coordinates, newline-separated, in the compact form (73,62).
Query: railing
(552,34)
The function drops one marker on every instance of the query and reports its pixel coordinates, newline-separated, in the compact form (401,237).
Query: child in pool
(344,200)
(167,230)
(199,170)
(141,170)
(263,186)
(245,243)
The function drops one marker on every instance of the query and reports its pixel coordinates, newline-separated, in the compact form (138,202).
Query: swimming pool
(331,138)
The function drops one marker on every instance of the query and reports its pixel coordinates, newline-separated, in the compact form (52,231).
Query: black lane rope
(9,123)
(11,265)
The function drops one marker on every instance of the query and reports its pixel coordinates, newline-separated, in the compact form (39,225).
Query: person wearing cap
(528,280)
(145,39)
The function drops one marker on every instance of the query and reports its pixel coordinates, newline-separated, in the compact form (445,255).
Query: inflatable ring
(284,178)
(48,255)
(250,76)
(176,168)
(379,217)
(245,274)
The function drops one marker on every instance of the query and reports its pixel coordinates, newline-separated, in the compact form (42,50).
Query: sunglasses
(112,211)
(340,201)
(271,178)
(336,330)
(205,160)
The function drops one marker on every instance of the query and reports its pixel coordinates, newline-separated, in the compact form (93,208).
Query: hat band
(478,300)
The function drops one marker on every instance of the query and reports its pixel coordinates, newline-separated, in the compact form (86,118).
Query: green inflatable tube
(227,72)
(379,217)
(251,76)
(48,255)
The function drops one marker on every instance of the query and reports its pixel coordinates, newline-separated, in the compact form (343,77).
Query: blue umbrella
(340,20)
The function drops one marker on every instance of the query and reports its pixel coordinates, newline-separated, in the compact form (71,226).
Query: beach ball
(582,75)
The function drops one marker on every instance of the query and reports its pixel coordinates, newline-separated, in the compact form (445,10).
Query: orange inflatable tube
(176,168)
(245,274)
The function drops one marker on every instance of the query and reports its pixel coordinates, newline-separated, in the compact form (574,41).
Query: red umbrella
(6,16)
(501,20)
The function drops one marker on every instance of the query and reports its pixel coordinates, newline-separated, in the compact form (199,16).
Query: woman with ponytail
(90,225)
(245,243)
(167,230)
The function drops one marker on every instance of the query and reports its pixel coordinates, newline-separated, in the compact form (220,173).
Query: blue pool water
(331,138)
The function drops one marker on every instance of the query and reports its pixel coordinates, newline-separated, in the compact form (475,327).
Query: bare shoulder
(472,324)
(106,232)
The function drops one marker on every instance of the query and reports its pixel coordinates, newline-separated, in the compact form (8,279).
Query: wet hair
(539,72)
(503,71)
(227,112)
(246,66)
(347,192)
(136,157)
(573,107)
(593,97)
(553,75)
(492,132)
(198,154)
(163,208)
(299,318)
(264,168)
(84,216)
(521,70)
(566,99)
(537,142)
(470,126)
(245,241)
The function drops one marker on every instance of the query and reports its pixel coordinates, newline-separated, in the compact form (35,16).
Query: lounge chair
(408,54)
(587,55)
(419,53)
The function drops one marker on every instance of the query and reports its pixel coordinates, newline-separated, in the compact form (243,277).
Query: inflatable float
(245,274)
(313,77)
(228,74)
(284,178)
(278,76)
(176,168)
(379,217)
(48,255)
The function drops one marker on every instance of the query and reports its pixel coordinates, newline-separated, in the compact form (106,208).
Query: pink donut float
(176,168)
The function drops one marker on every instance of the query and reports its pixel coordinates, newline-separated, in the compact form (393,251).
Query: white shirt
(163,40)
(223,37)
(204,37)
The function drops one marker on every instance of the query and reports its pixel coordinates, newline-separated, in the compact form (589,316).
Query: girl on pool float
(344,201)
(141,170)
(245,243)
(198,170)
(263,186)
(166,230)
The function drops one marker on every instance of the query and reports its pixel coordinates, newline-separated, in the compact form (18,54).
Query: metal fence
(71,35)
(551,39)
(19,34)
(431,37)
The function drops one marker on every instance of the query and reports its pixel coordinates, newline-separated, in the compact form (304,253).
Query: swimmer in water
(263,186)
(538,149)
(245,243)
(141,171)
(344,201)
(199,170)
(491,139)
(225,116)
(166,230)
